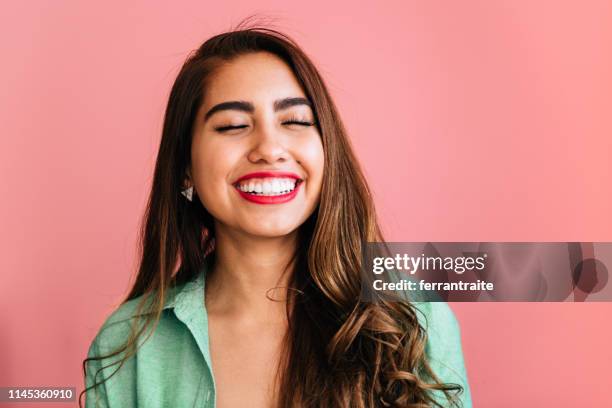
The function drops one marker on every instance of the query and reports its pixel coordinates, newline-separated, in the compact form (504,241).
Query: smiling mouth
(268,186)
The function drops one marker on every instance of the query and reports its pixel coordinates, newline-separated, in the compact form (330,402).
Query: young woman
(248,291)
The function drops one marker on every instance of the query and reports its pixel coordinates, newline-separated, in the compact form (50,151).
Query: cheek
(313,157)
(212,164)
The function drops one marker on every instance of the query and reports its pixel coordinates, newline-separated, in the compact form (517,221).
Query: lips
(268,187)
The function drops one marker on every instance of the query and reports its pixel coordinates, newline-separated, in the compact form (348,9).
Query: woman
(248,291)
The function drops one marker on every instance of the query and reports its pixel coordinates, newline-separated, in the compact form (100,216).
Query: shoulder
(444,346)
(105,352)
(117,362)
(443,332)
(116,327)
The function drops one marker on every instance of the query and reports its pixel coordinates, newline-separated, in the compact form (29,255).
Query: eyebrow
(249,108)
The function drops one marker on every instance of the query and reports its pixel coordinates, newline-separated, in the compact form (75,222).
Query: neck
(250,276)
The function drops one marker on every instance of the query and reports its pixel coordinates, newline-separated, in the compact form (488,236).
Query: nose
(268,146)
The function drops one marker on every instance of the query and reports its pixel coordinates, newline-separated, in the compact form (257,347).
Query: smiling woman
(254,118)
(248,291)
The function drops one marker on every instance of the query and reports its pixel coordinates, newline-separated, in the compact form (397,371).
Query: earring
(188,193)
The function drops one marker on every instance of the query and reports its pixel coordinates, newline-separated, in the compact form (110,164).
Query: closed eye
(226,128)
(298,122)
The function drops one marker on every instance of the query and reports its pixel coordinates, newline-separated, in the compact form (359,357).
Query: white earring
(188,193)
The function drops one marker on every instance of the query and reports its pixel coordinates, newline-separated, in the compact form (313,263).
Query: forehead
(256,77)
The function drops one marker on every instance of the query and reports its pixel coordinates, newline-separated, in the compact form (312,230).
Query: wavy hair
(341,351)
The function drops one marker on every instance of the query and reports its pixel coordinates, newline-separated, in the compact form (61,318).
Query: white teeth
(271,186)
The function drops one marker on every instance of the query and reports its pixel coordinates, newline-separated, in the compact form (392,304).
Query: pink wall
(475,120)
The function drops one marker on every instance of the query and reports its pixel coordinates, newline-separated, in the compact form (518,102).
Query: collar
(188,297)
(187,302)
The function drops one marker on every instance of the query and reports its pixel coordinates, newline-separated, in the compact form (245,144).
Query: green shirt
(173,367)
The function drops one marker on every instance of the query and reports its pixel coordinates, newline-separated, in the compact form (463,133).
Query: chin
(271,230)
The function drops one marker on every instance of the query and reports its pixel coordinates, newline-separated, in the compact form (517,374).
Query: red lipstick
(269,199)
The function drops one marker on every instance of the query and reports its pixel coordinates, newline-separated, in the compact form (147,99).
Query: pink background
(475,121)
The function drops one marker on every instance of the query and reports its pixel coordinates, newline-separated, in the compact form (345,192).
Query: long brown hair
(340,350)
